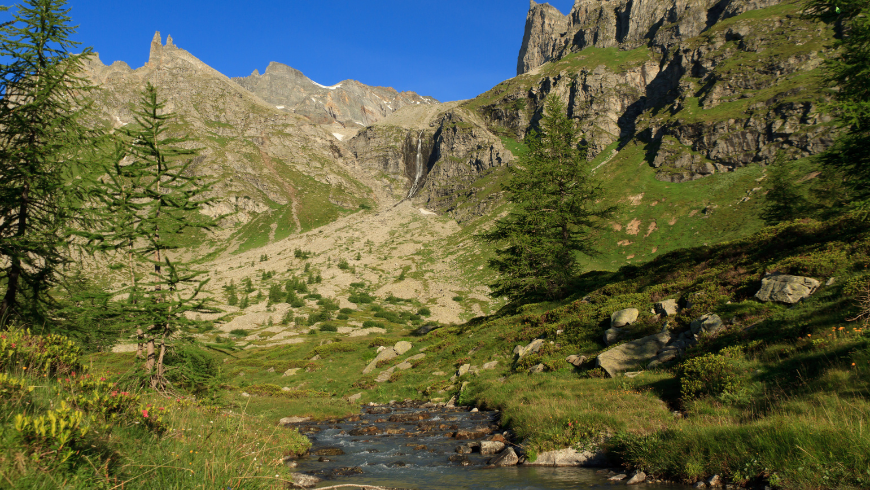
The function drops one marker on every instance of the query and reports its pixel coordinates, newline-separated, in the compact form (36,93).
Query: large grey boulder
(784,288)
(533,347)
(709,324)
(568,457)
(624,317)
(402,347)
(383,355)
(633,354)
(667,307)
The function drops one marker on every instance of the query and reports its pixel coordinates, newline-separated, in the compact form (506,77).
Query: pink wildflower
(114,393)
(145,413)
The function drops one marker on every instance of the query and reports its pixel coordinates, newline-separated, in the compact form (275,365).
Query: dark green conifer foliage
(850,73)
(555,212)
(150,198)
(44,151)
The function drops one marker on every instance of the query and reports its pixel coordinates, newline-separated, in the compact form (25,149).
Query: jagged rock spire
(169,41)
(156,48)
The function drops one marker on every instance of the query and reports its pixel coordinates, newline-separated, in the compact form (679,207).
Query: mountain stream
(404,446)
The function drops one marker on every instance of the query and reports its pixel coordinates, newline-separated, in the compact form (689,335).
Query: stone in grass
(490,365)
(533,347)
(638,477)
(384,355)
(539,368)
(463,369)
(293,420)
(709,324)
(575,360)
(632,354)
(784,288)
(505,458)
(568,457)
(354,398)
(402,347)
(612,335)
(667,307)
(624,317)
(291,372)
(301,480)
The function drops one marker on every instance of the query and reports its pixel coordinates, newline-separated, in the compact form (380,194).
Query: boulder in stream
(301,480)
(505,458)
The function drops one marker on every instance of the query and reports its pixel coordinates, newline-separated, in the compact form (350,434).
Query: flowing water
(419,166)
(408,447)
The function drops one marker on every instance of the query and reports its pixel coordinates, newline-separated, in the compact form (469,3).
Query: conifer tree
(849,72)
(44,152)
(554,216)
(150,199)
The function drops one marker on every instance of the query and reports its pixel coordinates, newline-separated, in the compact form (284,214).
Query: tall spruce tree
(849,72)
(150,199)
(43,148)
(555,212)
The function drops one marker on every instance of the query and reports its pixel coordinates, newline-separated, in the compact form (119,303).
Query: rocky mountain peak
(544,24)
(348,103)
(628,24)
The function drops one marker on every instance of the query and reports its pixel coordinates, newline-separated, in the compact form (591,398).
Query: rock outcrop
(704,86)
(787,289)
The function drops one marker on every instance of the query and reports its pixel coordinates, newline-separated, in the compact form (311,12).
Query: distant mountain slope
(279,172)
(350,103)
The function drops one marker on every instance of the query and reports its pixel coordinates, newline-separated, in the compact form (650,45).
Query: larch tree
(44,150)
(556,212)
(150,199)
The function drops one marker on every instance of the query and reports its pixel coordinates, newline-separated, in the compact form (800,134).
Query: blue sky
(449,49)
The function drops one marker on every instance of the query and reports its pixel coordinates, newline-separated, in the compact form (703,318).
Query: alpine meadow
(643,260)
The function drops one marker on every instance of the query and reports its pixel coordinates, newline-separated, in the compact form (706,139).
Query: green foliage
(554,214)
(149,197)
(46,354)
(783,202)
(328,327)
(372,324)
(424,311)
(43,146)
(850,73)
(710,375)
(361,297)
(302,254)
(196,371)
(343,265)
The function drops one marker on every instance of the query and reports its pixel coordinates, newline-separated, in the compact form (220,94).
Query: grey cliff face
(349,103)
(703,88)
(544,27)
(628,24)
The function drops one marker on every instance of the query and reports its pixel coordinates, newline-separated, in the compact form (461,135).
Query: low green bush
(707,375)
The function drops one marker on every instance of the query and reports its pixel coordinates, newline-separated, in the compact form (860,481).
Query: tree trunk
(149,358)
(140,345)
(15,267)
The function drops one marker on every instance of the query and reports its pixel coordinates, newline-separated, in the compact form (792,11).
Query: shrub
(50,354)
(343,265)
(458,299)
(377,341)
(346,311)
(342,316)
(196,371)
(360,297)
(372,324)
(238,332)
(328,327)
(358,285)
(424,311)
(710,374)
(389,316)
